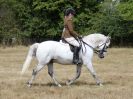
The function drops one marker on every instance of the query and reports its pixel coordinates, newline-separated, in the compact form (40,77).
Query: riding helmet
(69,10)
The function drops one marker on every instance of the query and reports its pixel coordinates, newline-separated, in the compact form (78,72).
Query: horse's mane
(94,37)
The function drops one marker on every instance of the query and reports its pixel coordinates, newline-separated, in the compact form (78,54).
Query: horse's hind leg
(34,73)
(51,73)
(78,72)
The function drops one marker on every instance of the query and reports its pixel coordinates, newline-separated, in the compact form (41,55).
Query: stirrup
(78,61)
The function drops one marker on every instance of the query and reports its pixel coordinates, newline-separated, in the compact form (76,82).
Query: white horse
(50,52)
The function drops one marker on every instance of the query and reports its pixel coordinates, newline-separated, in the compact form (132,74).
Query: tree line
(29,21)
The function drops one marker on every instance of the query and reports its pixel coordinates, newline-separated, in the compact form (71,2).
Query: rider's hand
(80,37)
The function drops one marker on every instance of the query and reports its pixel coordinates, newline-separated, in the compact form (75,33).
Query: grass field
(115,71)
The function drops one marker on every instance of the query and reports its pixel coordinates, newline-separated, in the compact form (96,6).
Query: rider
(70,36)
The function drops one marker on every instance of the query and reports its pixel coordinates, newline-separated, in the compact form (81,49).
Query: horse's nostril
(101,55)
(105,50)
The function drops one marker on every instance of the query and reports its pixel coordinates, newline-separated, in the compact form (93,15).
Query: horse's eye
(97,46)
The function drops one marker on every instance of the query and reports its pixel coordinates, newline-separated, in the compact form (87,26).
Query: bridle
(95,49)
(104,49)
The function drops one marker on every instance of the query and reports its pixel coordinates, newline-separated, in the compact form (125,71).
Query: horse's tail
(31,54)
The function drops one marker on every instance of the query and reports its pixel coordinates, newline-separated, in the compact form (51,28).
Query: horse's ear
(108,38)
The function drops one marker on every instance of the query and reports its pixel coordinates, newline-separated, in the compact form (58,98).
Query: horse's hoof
(59,85)
(68,82)
(100,84)
(29,84)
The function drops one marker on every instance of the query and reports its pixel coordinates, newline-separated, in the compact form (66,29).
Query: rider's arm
(70,27)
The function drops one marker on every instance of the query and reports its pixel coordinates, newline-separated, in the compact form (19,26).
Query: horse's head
(98,42)
(103,46)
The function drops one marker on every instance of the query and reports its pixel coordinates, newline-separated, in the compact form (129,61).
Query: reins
(84,43)
(96,51)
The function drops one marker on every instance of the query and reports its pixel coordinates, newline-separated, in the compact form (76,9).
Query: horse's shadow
(77,83)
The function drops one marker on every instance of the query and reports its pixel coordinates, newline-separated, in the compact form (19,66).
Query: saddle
(75,50)
(70,45)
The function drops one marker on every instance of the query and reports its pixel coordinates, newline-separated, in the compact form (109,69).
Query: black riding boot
(76,59)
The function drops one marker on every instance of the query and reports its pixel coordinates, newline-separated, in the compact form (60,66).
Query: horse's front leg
(78,72)
(51,73)
(92,71)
